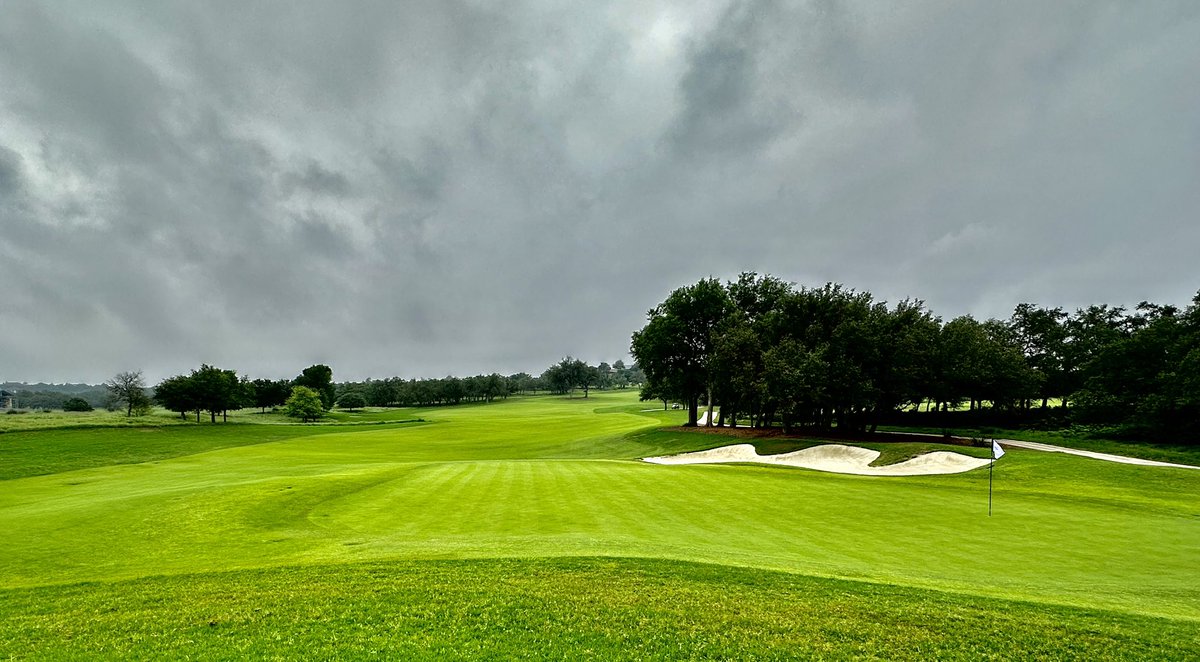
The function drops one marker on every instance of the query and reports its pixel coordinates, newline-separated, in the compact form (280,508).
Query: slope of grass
(555,609)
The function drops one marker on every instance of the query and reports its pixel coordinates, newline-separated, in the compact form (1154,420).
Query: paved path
(1035,446)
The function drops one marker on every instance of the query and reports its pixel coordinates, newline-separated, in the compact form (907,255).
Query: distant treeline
(217,391)
(561,378)
(54,396)
(764,350)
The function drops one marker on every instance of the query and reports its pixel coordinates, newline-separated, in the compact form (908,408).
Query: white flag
(997,452)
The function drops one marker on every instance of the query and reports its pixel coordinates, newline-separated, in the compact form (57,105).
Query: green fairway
(171,511)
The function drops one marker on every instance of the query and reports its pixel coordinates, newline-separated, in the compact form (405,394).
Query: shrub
(76,404)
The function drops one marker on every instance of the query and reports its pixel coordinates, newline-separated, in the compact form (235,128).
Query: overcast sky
(444,187)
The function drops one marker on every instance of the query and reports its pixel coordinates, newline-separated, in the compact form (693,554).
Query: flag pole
(990,465)
(997,453)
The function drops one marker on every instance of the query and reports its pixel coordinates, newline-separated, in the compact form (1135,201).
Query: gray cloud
(437,187)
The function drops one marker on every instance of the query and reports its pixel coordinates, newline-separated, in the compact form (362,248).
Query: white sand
(835,458)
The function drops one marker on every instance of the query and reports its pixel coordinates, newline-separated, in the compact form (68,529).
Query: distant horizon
(627,358)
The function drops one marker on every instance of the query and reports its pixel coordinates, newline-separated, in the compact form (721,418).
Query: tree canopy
(305,404)
(826,357)
(319,378)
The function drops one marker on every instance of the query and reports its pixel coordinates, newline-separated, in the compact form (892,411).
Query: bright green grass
(546,478)
(568,609)
(40,452)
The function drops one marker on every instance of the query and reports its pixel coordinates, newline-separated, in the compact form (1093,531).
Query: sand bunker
(836,458)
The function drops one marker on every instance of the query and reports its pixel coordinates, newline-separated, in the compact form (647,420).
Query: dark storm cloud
(436,187)
(10,172)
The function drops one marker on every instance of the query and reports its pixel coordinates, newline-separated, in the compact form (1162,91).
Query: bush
(76,404)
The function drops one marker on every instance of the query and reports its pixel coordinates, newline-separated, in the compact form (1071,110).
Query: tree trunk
(710,408)
(212,416)
(693,410)
(197,415)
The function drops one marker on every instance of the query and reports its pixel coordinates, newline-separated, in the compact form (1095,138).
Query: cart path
(1037,446)
(1033,445)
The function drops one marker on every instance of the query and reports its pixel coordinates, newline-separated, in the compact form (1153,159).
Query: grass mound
(556,609)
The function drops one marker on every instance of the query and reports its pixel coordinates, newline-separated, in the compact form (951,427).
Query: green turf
(566,609)
(48,451)
(552,478)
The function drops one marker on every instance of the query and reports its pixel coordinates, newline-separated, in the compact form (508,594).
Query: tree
(574,373)
(304,404)
(320,379)
(352,400)
(557,379)
(675,348)
(216,390)
(76,404)
(270,393)
(1042,336)
(382,392)
(178,394)
(738,363)
(604,375)
(129,388)
(900,371)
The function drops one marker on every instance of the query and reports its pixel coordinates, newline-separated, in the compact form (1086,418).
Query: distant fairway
(527,485)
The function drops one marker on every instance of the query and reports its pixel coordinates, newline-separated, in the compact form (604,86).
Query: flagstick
(990,465)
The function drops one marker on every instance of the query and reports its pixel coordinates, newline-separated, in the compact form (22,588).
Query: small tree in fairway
(304,404)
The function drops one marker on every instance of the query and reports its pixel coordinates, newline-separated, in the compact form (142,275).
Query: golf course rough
(539,506)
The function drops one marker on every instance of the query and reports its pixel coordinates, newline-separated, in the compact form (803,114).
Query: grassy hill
(530,526)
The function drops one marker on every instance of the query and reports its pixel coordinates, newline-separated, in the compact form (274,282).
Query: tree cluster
(218,391)
(560,378)
(764,350)
(208,389)
(1138,372)
(399,392)
(571,373)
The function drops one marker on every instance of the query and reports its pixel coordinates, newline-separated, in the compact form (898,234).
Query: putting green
(552,477)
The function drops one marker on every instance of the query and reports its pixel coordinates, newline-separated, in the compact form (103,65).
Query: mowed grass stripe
(892,531)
